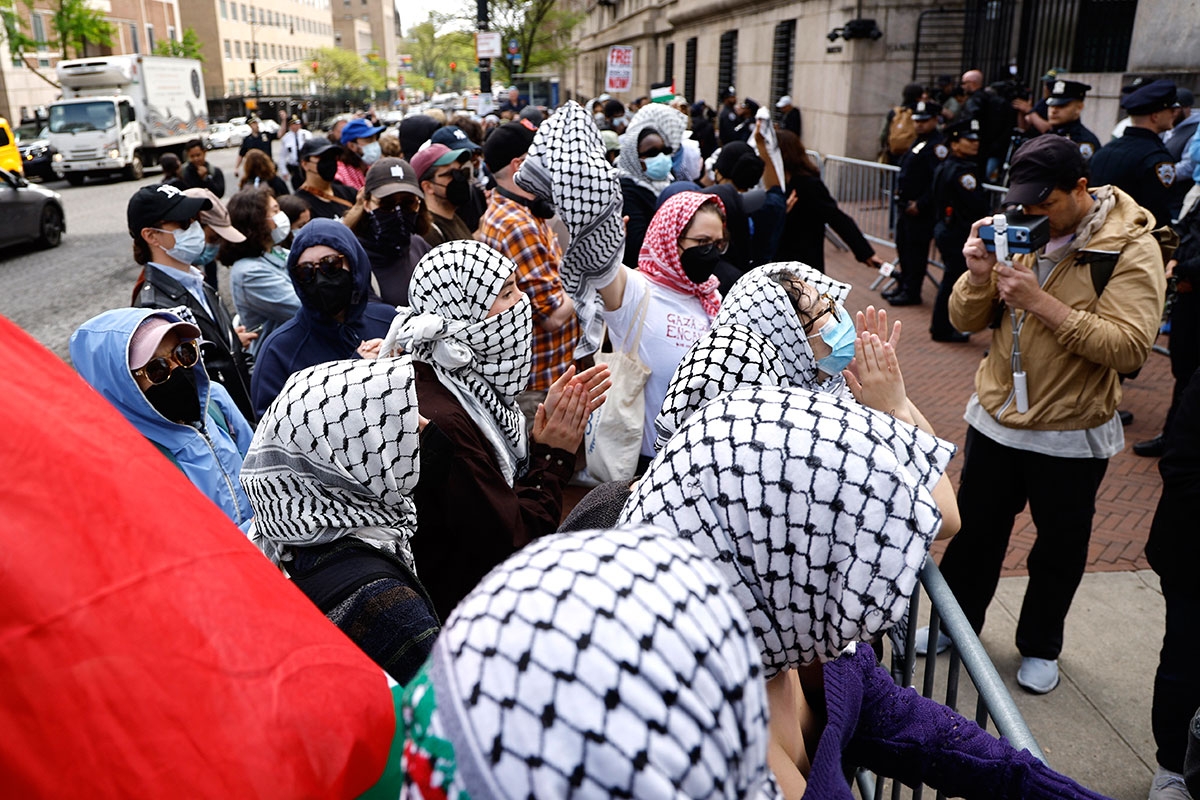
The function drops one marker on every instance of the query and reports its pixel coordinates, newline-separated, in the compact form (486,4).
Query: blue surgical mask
(839,334)
(371,152)
(659,167)
(209,254)
(189,244)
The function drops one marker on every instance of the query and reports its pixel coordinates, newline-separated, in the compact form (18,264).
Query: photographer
(1077,331)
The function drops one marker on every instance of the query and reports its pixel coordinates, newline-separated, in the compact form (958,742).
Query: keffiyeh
(727,358)
(761,303)
(483,361)
(664,120)
(659,258)
(598,664)
(336,455)
(566,165)
(817,511)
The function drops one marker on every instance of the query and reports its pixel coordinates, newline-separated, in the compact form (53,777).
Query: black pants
(997,481)
(1177,682)
(297,175)
(950,244)
(913,235)
(1185,346)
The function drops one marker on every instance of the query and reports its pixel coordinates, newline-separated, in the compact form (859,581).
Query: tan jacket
(1072,372)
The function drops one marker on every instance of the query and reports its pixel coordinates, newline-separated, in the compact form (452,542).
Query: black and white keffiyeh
(669,123)
(818,511)
(597,664)
(484,361)
(335,455)
(566,164)
(761,303)
(726,358)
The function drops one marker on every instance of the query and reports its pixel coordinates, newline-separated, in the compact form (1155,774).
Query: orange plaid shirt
(510,228)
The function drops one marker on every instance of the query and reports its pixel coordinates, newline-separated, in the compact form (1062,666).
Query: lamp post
(254,68)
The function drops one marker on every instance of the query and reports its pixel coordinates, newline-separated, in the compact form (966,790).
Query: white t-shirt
(674,322)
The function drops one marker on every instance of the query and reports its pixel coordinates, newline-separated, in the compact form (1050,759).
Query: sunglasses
(831,308)
(306,271)
(157,370)
(721,244)
(655,151)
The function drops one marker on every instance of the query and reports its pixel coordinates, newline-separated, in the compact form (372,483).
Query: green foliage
(77,24)
(342,70)
(542,29)
(186,47)
(433,45)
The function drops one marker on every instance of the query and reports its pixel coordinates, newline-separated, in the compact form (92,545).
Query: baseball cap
(1041,164)
(147,336)
(360,129)
(217,217)
(390,175)
(511,140)
(453,137)
(434,155)
(318,146)
(786,100)
(151,205)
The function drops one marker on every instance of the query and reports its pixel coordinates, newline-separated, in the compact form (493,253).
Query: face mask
(458,190)
(189,244)
(392,228)
(283,226)
(327,169)
(208,255)
(659,167)
(699,262)
(599,116)
(330,294)
(371,152)
(176,398)
(839,334)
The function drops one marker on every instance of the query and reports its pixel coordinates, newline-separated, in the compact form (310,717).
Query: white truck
(118,114)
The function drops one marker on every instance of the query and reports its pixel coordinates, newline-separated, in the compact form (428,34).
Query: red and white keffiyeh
(659,257)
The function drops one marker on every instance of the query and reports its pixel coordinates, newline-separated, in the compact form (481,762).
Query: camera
(1026,234)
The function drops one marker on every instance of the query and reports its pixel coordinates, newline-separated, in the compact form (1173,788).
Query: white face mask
(189,243)
(371,152)
(283,226)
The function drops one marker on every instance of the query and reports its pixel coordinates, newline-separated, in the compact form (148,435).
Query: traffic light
(453,66)
(315,66)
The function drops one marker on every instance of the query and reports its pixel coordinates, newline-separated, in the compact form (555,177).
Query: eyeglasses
(831,308)
(721,244)
(655,151)
(157,370)
(306,271)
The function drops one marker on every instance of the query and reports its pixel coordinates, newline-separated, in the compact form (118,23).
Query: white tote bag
(613,437)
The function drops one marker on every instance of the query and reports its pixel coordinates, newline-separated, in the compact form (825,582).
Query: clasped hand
(561,420)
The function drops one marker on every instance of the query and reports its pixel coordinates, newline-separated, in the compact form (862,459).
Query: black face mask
(700,261)
(392,229)
(176,398)
(542,209)
(458,190)
(327,169)
(330,294)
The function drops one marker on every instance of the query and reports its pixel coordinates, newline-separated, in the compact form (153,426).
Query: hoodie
(311,337)
(210,457)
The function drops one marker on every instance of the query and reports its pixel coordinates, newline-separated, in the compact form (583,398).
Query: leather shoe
(903,298)
(888,294)
(1151,448)
(1126,417)
(955,337)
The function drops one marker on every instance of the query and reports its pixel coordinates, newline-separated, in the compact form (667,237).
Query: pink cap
(149,335)
(432,155)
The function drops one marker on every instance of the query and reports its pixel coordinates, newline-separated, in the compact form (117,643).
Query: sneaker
(1038,675)
(922,643)
(1168,785)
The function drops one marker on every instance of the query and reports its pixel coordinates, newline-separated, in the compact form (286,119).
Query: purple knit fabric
(895,732)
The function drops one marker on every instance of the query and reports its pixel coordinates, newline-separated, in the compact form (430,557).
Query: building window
(150,37)
(135,44)
(232,86)
(245,16)
(171,32)
(224,10)
(233,12)
(689,69)
(781,60)
(237,50)
(669,62)
(727,66)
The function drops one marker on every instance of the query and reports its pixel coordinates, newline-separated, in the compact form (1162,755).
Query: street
(50,293)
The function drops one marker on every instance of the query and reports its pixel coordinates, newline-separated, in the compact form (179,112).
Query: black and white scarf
(596,664)
(726,358)
(817,510)
(566,165)
(483,361)
(335,455)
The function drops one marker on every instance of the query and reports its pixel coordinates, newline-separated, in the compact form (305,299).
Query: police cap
(926,109)
(1063,92)
(963,129)
(1151,97)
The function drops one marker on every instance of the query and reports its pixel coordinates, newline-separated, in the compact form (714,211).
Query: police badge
(968,182)
(1165,172)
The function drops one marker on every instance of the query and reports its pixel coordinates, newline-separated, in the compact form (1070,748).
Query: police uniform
(1063,92)
(959,199)
(257,141)
(914,184)
(1139,163)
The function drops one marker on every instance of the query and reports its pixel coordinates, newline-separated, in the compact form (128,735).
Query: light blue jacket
(263,293)
(210,457)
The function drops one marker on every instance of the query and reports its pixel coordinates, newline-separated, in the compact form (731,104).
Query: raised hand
(563,428)
(877,382)
(872,321)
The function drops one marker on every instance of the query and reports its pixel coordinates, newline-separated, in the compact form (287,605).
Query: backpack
(902,131)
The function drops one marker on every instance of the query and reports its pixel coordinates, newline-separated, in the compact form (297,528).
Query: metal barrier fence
(967,651)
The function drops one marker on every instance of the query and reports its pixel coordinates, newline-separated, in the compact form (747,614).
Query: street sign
(619,76)
(288,71)
(488,44)
(514,46)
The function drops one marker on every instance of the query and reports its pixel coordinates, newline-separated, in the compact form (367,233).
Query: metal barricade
(864,189)
(994,701)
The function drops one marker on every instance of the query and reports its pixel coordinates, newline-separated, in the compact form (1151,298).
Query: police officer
(258,139)
(1139,163)
(914,203)
(1064,105)
(958,200)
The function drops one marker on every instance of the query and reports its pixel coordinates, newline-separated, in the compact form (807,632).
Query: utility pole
(485,64)
(254,70)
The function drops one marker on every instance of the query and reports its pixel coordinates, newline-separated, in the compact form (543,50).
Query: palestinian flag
(147,649)
(663,92)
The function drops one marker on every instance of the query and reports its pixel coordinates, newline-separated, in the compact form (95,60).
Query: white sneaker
(1168,785)
(921,644)
(1038,675)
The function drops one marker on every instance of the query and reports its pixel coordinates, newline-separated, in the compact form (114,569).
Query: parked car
(37,155)
(223,134)
(10,155)
(29,212)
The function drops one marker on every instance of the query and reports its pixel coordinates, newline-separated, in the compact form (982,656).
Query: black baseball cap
(318,146)
(151,205)
(453,137)
(963,129)
(511,140)
(1040,165)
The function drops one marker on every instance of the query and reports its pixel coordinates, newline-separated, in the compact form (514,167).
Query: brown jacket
(1072,373)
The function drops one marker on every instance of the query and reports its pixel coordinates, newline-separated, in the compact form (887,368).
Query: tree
(20,43)
(77,24)
(342,70)
(434,44)
(186,47)
(542,30)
